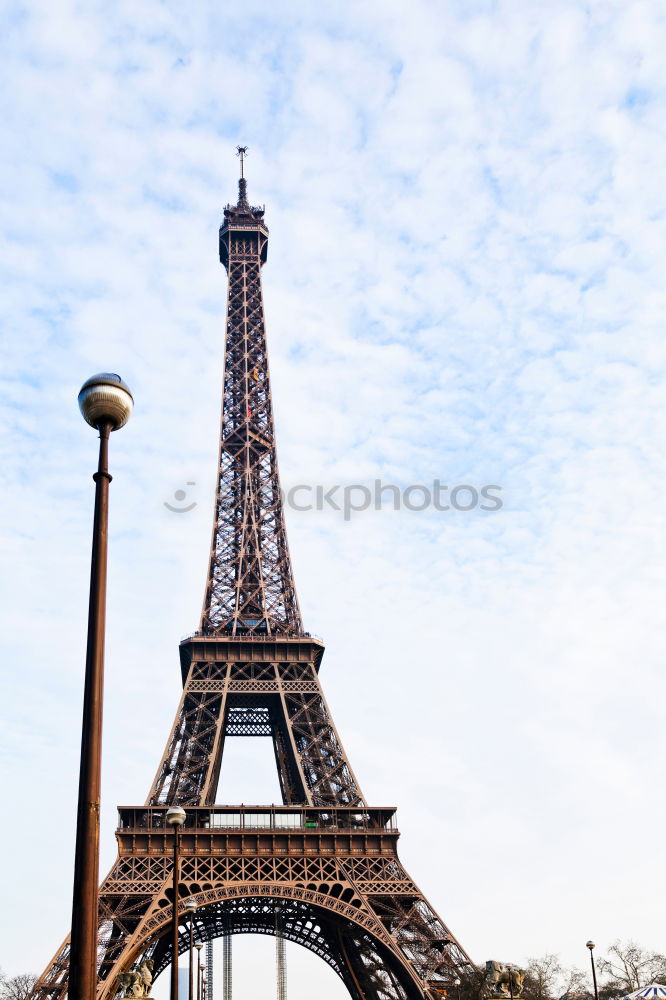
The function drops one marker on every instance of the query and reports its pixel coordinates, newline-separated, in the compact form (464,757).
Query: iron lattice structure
(322,869)
(250,587)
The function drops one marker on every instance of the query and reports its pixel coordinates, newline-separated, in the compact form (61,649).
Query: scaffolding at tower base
(280,967)
(226,967)
(209,970)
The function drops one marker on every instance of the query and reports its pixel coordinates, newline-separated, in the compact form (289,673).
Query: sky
(466,206)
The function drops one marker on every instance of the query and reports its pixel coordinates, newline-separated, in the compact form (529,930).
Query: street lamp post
(199,946)
(106,404)
(190,908)
(590,945)
(175,817)
(456,983)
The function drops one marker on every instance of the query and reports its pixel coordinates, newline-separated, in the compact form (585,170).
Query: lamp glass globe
(106,399)
(175,816)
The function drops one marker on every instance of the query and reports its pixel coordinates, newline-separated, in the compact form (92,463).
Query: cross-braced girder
(244,865)
(246,696)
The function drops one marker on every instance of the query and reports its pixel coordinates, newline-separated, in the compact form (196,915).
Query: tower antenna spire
(242,152)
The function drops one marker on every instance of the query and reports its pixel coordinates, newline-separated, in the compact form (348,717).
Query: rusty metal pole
(83,947)
(174,925)
(106,403)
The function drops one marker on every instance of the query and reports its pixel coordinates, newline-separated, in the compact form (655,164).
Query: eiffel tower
(322,869)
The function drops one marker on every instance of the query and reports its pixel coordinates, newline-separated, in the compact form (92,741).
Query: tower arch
(344,935)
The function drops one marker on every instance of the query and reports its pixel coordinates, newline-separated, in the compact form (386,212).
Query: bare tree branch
(16,987)
(629,967)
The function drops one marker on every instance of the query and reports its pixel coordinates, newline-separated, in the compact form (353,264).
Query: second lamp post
(199,946)
(190,909)
(175,817)
(590,945)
